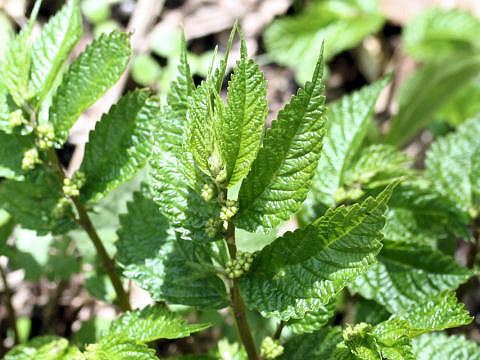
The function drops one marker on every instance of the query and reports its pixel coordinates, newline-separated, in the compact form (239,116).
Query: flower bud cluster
(208,192)
(240,265)
(71,187)
(30,159)
(46,135)
(221,176)
(228,210)
(270,349)
(60,208)
(16,118)
(212,227)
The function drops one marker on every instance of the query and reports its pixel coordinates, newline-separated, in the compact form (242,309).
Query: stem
(238,304)
(11,310)
(107,263)
(278,332)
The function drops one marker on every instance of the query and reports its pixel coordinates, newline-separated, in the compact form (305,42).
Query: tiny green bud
(270,348)
(208,192)
(46,136)
(30,159)
(71,187)
(60,208)
(229,210)
(221,176)
(212,227)
(16,118)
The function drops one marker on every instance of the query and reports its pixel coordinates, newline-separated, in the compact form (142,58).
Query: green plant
(202,229)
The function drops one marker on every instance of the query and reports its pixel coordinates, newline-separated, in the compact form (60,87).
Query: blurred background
(426,44)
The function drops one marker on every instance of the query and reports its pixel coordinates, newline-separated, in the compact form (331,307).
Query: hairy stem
(238,304)
(11,310)
(107,263)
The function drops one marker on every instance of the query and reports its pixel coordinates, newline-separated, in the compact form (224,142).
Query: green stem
(238,304)
(11,310)
(107,263)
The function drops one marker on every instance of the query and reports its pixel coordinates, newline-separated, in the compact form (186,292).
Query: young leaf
(120,145)
(51,50)
(119,347)
(405,275)
(347,125)
(442,347)
(438,33)
(97,69)
(242,129)
(302,271)
(153,323)
(426,91)
(281,175)
(150,253)
(313,321)
(15,67)
(452,164)
(31,203)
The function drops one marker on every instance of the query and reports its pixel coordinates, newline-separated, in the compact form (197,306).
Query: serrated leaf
(51,50)
(405,275)
(12,149)
(15,67)
(422,214)
(442,347)
(174,114)
(150,254)
(120,145)
(242,128)
(153,323)
(281,175)
(318,345)
(302,271)
(96,70)
(31,203)
(437,33)
(118,347)
(347,125)
(45,348)
(378,165)
(313,321)
(452,164)
(294,41)
(427,91)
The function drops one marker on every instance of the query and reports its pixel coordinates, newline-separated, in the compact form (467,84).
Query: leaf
(15,68)
(348,121)
(118,347)
(153,323)
(313,321)
(437,33)
(427,91)
(378,165)
(294,41)
(406,275)
(242,130)
(51,50)
(44,348)
(442,347)
(302,271)
(174,114)
(120,145)
(318,345)
(96,70)
(11,154)
(31,203)
(150,254)
(281,175)
(452,162)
